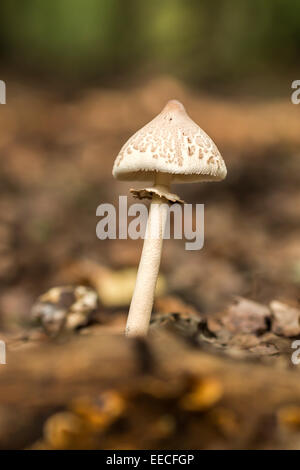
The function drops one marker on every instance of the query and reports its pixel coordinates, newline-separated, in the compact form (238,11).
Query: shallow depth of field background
(82,76)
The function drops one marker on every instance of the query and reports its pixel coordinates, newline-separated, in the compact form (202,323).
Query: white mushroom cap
(173,144)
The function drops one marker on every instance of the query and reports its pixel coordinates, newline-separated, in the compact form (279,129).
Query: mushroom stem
(143,296)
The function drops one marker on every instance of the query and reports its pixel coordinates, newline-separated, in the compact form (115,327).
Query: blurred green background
(204,42)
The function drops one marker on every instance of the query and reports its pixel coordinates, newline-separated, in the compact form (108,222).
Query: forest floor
(217,369)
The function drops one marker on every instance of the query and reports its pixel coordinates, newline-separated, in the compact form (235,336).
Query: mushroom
(171,148)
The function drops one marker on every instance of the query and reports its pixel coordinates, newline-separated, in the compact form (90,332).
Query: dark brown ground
(216,371)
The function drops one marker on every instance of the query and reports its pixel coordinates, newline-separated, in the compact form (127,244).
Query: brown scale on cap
(171,143)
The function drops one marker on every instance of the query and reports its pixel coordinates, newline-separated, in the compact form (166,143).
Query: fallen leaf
(246,316)
(285,319)
(204,394)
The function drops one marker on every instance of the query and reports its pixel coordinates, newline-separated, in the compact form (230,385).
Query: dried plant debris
(204,394)
(186,325)
(246,329)
(65,308)
(173,304)
(285,319)
(188,398)
(114,418)
(246,316)
(289,417)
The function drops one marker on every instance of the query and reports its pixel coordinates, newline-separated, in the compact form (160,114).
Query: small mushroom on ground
(171,148)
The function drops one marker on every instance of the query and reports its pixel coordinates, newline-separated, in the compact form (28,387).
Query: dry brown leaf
(285,319)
